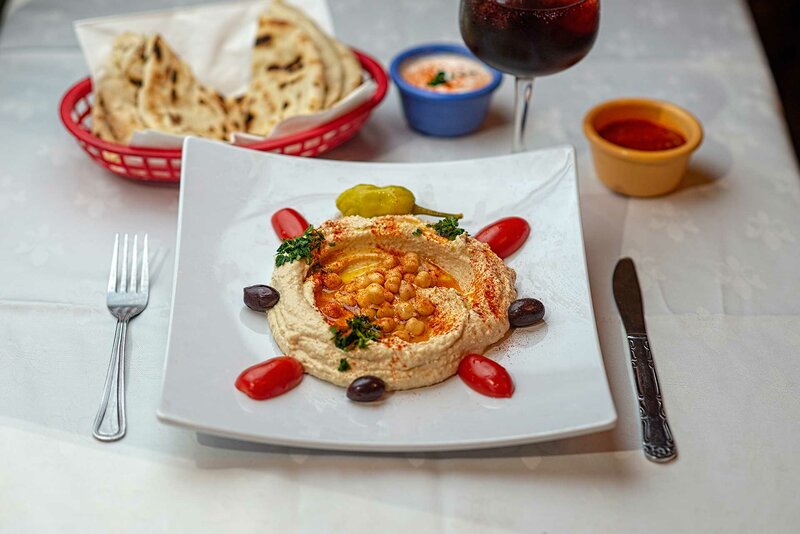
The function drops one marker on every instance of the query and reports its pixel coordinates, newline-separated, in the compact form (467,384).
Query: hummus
(434,300)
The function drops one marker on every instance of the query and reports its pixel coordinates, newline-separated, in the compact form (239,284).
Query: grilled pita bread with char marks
(296,69)
(114,114)
(351,69)
(100,126)
(172,100)
(287,78)
(331,61)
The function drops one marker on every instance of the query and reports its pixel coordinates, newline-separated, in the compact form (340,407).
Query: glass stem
(522,105)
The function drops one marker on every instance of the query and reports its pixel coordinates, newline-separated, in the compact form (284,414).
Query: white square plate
(225,242)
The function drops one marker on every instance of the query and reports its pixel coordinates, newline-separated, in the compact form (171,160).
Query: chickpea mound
(384,285)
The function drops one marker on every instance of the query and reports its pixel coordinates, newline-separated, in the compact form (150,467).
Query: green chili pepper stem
(419,210)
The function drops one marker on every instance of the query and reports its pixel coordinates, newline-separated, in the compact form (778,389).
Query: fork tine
(112,277)
(144,283)
(123,279)
(134,261)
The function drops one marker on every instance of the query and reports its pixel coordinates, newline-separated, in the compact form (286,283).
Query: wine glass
(529,38)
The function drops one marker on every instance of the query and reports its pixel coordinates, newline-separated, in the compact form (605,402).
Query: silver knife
(657,439)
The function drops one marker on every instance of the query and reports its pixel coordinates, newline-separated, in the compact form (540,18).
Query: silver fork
(126,298)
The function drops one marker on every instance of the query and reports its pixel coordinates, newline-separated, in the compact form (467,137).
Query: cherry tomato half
(485,376)
(271,378)
(288,224)
(505,236)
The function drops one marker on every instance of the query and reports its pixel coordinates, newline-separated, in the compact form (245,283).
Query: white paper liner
(216,41)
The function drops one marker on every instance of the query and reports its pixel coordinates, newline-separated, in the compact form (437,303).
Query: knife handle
(657,439)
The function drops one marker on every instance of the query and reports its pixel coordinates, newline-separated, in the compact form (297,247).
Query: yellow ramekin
(640,173)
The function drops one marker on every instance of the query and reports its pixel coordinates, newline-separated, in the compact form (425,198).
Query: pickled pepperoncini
(369,200)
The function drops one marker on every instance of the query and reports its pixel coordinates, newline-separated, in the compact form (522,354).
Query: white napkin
(215,40)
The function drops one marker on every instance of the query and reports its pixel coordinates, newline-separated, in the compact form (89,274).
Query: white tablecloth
(718,262)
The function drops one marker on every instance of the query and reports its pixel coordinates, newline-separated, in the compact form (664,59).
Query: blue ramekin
(442,114)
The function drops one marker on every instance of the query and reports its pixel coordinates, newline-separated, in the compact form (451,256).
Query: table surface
(717,260)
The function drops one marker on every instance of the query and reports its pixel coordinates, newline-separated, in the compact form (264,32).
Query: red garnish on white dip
(445,73)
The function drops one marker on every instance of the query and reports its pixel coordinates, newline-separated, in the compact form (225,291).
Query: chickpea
(410,262)
(369,312)
(395,271)
(332,309)
(424,306)
(375,278)
(335,266)
(392,284)
(361,281)
(388,296)
(405,310)
(348,299)
(407,291)
(415,327)
(385,310)
(409,278)
(423,279)
(388,261)
(445,279)
(362,299)
(375,294)
(350,287)
(387,324)
(332,280)
(402,334)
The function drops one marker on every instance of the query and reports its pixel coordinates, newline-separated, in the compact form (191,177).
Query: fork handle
(109,424)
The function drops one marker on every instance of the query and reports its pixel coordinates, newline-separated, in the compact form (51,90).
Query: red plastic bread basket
(164,165)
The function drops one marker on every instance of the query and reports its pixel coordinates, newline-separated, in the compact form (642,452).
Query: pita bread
(288,75)
(114,113)
(100,126)
(127,55)
(233,107)
(171,99)
(351,69)
(327,49)
(296,69)
(260,109)
(115,109)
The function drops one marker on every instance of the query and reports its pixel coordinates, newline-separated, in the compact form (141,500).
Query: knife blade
(657,439)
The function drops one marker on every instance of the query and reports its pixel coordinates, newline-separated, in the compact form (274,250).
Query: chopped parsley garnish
(417,232)
(448,227)
(360,331)
(344,365)
(439,79)
(300,248)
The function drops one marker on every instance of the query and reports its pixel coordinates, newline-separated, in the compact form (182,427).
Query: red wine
(530,37)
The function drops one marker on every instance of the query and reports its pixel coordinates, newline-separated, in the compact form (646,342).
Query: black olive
(261,298)
(366,389)
(525,312)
